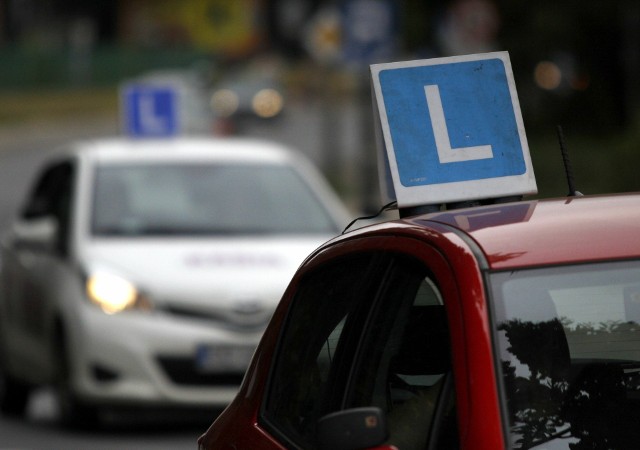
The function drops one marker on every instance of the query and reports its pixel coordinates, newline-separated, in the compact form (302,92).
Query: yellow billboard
(223,25)
(230,27)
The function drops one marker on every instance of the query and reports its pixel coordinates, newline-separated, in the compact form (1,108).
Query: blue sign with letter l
(453,122)
(150,111)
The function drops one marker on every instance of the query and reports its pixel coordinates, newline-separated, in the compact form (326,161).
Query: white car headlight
(114,294)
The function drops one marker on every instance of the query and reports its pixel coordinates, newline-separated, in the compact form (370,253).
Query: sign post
(452,129)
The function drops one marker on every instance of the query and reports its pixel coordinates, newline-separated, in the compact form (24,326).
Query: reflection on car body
(144,272)
(505,326)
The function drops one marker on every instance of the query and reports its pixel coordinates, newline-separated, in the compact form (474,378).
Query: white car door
(35,254)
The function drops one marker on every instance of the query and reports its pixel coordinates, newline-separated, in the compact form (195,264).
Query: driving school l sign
(150,110)
(452,129)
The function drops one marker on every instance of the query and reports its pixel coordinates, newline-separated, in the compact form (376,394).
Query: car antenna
(568,170)
(387,207)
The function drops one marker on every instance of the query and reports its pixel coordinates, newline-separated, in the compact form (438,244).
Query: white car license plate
(223,358)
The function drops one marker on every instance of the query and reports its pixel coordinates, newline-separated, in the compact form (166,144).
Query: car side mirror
(36,234)
(355,428)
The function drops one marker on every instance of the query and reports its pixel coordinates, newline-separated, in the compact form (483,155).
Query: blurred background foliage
(576,63)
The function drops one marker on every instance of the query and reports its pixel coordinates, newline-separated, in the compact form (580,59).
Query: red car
(506,326)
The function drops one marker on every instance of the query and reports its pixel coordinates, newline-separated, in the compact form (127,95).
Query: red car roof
(548,232)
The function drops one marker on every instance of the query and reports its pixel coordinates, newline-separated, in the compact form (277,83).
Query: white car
(144,272)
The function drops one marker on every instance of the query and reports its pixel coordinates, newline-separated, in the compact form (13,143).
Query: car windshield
(181,199)
(569,346)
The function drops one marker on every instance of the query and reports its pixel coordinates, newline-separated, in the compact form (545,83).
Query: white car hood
(237,280)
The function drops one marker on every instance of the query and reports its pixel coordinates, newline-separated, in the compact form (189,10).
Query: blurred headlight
(114,294)
(224,102)
(267,103)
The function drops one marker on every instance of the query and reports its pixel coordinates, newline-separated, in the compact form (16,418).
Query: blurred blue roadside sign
(370,30)
(451,129)
(150,110)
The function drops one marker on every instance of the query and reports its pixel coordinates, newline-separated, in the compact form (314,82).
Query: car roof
(538,232)
(184,149)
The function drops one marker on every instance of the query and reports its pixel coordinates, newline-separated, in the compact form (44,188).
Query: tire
(14,395)
(74,413)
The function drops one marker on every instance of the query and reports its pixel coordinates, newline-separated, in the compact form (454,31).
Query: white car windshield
(569,345)
(181,199)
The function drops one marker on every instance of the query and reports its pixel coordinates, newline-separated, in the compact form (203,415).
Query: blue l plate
(477,111)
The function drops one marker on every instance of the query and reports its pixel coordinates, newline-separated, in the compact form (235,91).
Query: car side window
(318,345)
(404,365)
(366,332)
(52,197)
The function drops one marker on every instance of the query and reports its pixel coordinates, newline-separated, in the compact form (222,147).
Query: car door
(367,329)
(34,249)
